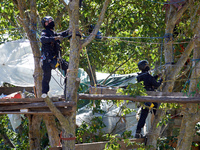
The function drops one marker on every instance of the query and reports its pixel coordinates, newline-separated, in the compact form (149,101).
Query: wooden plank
(35,105)
(21,100)
(102,90)
(68,109)
(30,112)
(55,148)
(159,99)
(44,111)
(152,93)
(101,145)
(27,100)
(9,90)
(107,90)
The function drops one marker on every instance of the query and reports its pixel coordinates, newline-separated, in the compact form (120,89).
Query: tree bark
(34,132)
(71,90)
(34,121)
(75,47)
(191,113)
(52,130)
(170,71)
(30,27)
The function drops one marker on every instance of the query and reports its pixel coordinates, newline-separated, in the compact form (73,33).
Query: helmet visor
(46,19)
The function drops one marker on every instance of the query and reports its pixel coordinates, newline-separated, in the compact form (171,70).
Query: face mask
(51,25)
(147,68)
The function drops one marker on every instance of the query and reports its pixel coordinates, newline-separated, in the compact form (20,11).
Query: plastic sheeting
(15,119)
(110,118)
(17,67)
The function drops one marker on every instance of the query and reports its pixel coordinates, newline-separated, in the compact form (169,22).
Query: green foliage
(167,143)
(114,139)
(170,106)
(193,93)
(127,134)
(113,142)
(19,138)
(133,90)
(164,120)
(132,21)
(90,132)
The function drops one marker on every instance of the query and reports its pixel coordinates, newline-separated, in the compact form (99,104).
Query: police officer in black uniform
(150,84)
(50,51)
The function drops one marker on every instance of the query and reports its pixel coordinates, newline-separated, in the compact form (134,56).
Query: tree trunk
(191,113)
(155,131)
(34,120)
(34,132)
(30,26)
(187,129)
(71,90)
(72,81)
(170,70)
(52,130)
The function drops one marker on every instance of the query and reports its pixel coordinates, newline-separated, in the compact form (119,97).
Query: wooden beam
(159,99)
(107,90)
(43,111)
(101,145)
(21,100)
(35,105)
(27,100)
(9,90)
(30,112)
(153,93)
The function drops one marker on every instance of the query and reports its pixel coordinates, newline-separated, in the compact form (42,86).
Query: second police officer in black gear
(50,51)
(150,84)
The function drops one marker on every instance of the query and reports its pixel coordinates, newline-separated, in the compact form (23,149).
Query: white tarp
(110,118)
(17,67)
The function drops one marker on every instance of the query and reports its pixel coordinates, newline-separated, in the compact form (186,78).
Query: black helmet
(142,64)
(46,19)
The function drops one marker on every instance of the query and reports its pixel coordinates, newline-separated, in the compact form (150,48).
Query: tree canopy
(163,32)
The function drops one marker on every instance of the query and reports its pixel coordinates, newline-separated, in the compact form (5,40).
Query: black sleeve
(45,39)
(155,83)
(64,33)
(155,77)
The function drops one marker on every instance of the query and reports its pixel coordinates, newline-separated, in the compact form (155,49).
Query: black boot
(138,134)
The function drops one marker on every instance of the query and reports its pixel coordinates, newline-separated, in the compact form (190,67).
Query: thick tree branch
(179,14)
(183,58)
(23,17)
(187,51)
(63,121)
(98,24)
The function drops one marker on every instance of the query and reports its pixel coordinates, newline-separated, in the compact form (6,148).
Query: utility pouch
(54,63)
(152,105)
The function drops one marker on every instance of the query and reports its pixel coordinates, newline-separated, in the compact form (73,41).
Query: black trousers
(46,76)
(144,114)
(46,67)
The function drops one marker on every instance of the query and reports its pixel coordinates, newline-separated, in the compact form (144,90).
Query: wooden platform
(101,145)
(33,106)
